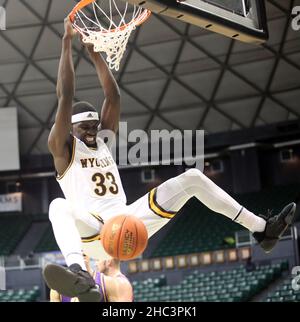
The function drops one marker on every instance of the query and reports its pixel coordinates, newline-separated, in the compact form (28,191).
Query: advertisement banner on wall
(2,279)
(9,138)
(11,202)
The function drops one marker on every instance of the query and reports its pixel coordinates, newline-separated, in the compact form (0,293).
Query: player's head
(85,122)
(105,266)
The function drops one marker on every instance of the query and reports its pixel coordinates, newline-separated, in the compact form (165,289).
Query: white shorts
(146,209)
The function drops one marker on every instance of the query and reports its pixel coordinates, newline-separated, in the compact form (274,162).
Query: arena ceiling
(173,75)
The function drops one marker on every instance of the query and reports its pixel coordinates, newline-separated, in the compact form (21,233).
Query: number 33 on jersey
(92,177)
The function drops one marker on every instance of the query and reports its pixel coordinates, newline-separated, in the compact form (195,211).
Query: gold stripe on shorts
(96,236)
(91,238)
(156,208)
(97,217)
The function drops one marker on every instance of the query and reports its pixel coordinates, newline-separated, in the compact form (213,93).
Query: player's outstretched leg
(72,282)
(174,193)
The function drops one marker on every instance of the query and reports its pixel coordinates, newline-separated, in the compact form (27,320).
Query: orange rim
(80,5)
(137,21)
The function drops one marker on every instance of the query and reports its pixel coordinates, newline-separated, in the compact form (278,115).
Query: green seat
(227,286)
(284,266)
(201,298)
(286,292)
(5,299)
(290,298)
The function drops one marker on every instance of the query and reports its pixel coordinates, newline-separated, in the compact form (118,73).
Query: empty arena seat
(21,295)
(47,243)
(207,231)
(13,227)
(284,293)
(234,285)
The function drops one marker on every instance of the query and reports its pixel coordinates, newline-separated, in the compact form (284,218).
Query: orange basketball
(124,237)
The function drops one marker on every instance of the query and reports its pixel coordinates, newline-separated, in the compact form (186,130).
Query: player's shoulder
(57,147)
(119,281)
(119,288)
(125,290)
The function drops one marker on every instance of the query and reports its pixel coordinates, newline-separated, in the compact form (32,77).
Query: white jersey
(92,183)
(94,194)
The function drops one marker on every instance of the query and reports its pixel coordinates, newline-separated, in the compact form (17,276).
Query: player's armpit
(56,144)
(60,133)
(62,152)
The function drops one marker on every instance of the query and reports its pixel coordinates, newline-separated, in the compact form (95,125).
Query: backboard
(244,20)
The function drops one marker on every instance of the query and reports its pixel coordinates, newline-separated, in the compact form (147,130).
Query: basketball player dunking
(93,190)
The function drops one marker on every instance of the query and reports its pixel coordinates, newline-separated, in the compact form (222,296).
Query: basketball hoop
(111,34)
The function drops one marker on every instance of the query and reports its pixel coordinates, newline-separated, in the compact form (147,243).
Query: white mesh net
(109,27)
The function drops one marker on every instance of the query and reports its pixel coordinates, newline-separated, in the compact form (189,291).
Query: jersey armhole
(72,152)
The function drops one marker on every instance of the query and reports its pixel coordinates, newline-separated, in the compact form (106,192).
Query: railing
(244,237)
(17,262)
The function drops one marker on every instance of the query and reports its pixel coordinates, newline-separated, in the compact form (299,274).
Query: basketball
(124,237)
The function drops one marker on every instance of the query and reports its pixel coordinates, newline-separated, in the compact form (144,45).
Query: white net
(108,27)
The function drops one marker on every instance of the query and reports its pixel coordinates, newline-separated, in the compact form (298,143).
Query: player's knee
(57,207)
(193,173)
(191,178)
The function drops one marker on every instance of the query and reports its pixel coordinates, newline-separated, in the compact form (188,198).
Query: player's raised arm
(60,132)
(110,113)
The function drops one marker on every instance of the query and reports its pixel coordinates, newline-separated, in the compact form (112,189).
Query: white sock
(66,233)
(74,258)
(250,221)
(174,193)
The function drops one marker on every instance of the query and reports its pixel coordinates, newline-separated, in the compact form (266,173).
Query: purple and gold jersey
(99,280)
(65,299)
